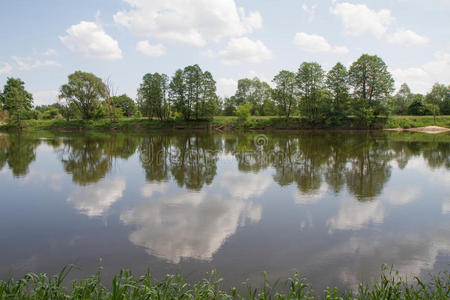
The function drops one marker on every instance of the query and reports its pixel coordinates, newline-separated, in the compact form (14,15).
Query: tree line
(361,94)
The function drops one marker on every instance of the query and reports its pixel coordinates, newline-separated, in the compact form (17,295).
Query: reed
(390,285)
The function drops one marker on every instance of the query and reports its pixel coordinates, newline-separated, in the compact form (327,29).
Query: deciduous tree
(153,96)
(16,100)
(310,79)
(86,91)
(285,93)
(437,95)
(370,79)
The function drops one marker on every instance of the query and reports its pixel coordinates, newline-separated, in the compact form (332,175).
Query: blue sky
(44,41)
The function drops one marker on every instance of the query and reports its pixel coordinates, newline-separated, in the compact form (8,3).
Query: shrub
(243,112)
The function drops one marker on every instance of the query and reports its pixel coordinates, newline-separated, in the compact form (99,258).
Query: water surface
(333,205)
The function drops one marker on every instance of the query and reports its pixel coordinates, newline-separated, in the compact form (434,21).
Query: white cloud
(359,19)
(310,11)
(208,53)
(47,178)
(95,200)
(151,50)
(316,44)
(407,37)
(50,52)
(410,253)
(241,185)
(188,225)
(226,87)
(27,63)
(90,40)
(415,77)
(422,78)
(45,97)
(401,196)
(354,215)
(311,198)
(150,188)
(446,207)
(253,74)
(243,49)
(191,22)
(5,68)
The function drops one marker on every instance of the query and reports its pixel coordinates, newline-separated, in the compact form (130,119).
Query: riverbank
(406,122)
(390,285)
(223,123)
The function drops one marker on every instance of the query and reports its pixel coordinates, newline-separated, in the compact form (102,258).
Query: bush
(243,112)
(418,108)
(50,114)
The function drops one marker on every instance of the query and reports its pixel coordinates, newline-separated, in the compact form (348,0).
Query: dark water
(334,206)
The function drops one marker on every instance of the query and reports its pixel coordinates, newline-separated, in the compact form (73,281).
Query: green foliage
(439,93)
(243,112)
(390,285)
(363,112)
(50,113)
(193,93)
(416,121)
(370,79)
(269,108)
(125,104)
(337,85)
(253,91)
(401,101)
(229,106)
(85,90)
(313,101)
(16,100)
(153,96)
(417,107)
(445,103)
(285,93)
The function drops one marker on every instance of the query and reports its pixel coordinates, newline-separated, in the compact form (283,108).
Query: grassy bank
(125,286)
(416,121)
(220,123)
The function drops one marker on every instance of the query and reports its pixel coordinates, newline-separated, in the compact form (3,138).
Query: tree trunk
(434,114)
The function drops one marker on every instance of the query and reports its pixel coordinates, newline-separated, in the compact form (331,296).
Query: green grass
(218,122)
(126,286)
(416,121)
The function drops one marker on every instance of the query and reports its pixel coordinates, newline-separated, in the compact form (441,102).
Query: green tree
(16,100)
(437,95)
(243,112)
(153,96)
(337,84)
(67,109)
(193,93)
(285,93)
(310,79)
(193,81)
(253,91)
(126,104)
(417,107)
(209,101)
(85,90)
(401,100)
(445,104)
(370,79)
(229,106)
(177,94)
